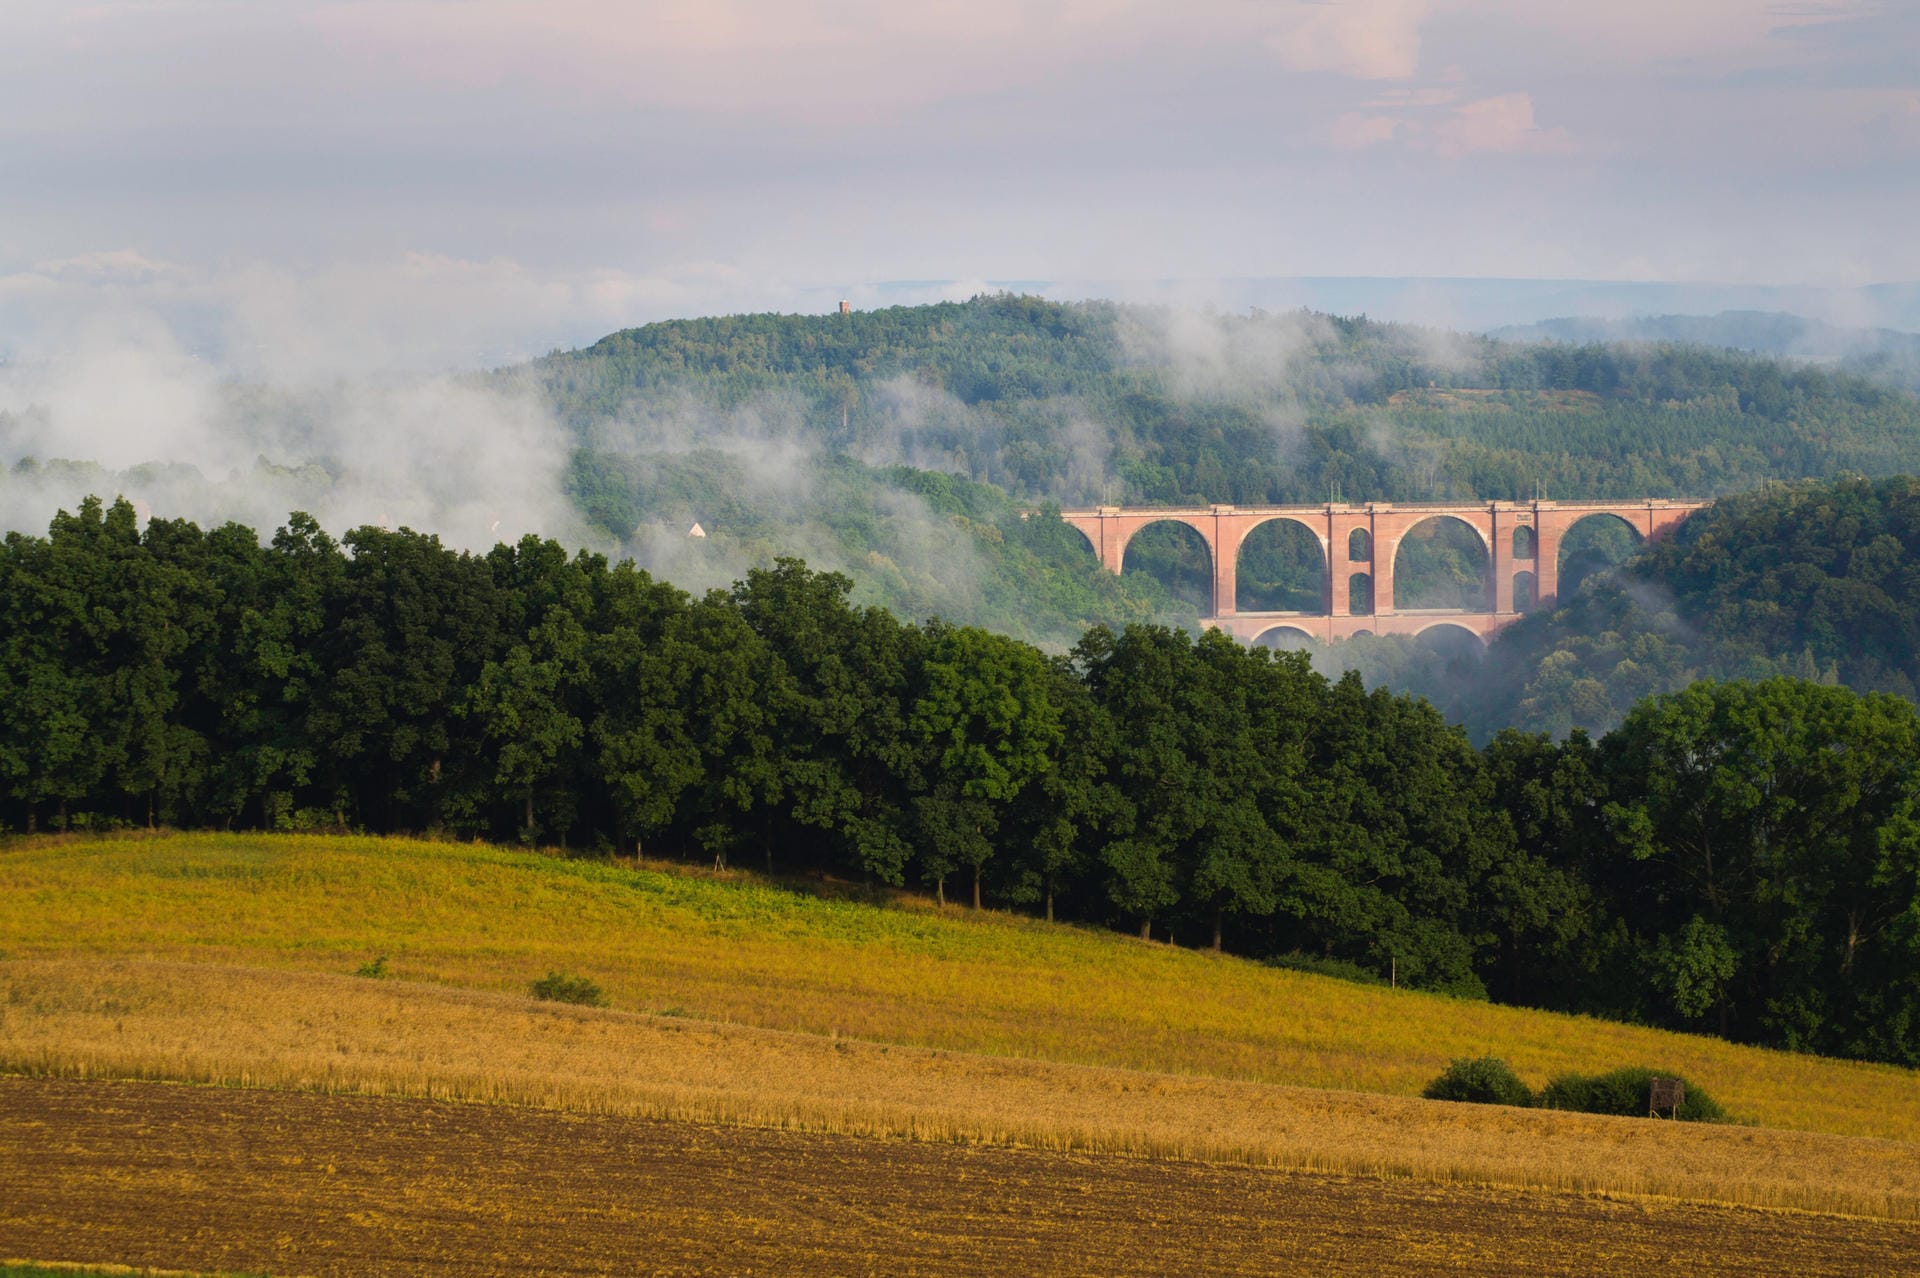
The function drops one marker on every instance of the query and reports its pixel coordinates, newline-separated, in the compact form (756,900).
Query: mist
(123,408)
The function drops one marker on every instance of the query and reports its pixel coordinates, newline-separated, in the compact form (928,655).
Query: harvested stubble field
(248,1027)
(312,1184)
(223,960)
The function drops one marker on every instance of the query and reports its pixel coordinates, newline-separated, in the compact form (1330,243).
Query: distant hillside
(1880,353)
(1146,405)
(759,426)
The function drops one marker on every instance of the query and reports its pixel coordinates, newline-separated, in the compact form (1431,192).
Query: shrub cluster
(1488,1080)
(558,987)
(1482,1080)
(1625,1092)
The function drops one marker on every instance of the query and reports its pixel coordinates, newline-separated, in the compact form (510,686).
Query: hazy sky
(360,171)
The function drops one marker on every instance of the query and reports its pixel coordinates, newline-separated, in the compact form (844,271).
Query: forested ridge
(1015,402)
(1739,857)
(1252,409)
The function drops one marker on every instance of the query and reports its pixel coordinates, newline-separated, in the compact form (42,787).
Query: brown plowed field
(299,1183)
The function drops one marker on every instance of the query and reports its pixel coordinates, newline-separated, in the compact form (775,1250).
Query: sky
(298,185)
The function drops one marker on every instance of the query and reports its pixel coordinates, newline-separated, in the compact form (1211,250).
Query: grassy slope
(743,952)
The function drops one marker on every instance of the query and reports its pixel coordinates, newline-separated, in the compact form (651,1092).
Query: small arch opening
(1525,592)
(1360,546)
(1525,540)
(1360,594)
(1457,650)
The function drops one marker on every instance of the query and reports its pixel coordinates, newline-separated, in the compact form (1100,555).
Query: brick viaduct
(1522,540)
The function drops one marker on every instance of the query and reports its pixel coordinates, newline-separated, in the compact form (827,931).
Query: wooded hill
(1172,408)
(814,433)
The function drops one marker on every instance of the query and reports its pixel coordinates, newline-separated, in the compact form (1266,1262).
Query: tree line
(1736,857)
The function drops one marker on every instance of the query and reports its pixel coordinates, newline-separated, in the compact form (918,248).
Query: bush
(558,987)
(1484,1080)
(376,970)
(1625,1092)
(1339,969)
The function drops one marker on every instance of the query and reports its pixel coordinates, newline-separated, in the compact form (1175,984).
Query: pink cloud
(1364,39)
(807,58)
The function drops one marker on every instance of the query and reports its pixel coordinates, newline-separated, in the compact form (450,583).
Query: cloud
(815,60)
(1435,121)
(473,461)
(177,385)
(796,147)
(1501,124)
(1364,39)
(1354,130)
(416,312)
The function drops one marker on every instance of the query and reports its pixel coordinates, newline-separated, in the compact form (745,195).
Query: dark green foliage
(1625,1092)
(1762,845)
(376,970)
(559,987)
(1338,969)
(1482,1080)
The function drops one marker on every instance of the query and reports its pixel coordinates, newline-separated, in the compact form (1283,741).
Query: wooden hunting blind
(1665,1093)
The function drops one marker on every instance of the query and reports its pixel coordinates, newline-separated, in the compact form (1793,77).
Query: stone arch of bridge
(1474,522)
(1195,530)
(1451,634)
(1235,536)
(1576,557)
(1605,518)
(1285,638)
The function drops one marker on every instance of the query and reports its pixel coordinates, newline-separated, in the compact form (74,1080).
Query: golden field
(247,1027)
(229,958)
(660,939)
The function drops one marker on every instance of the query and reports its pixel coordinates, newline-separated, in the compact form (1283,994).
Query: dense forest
(1738,857)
